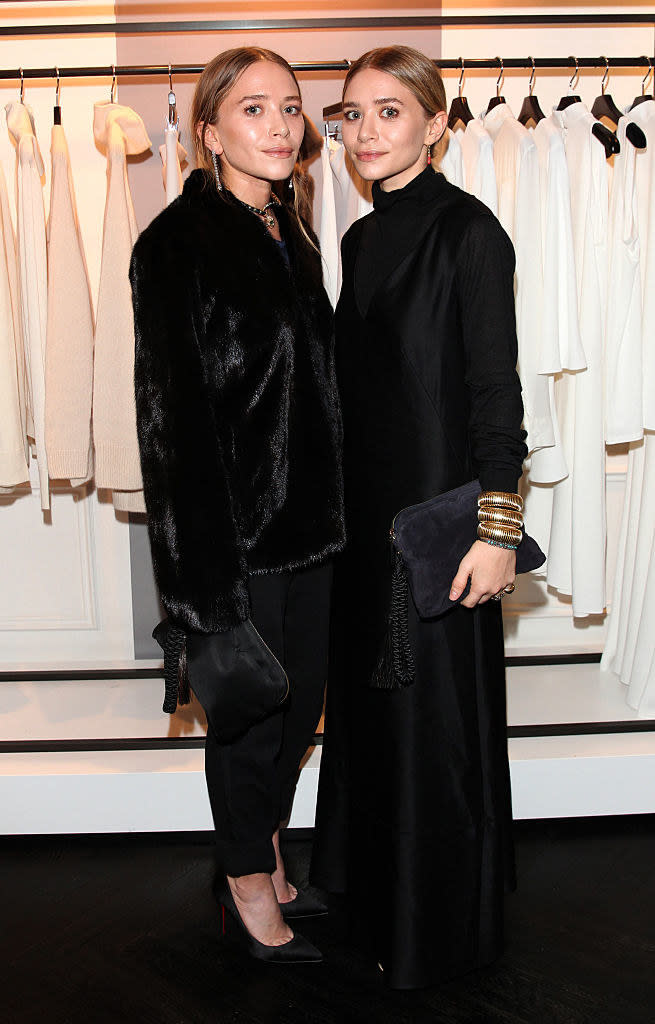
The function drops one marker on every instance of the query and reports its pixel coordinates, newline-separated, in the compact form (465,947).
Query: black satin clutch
(234,675)
(429,541)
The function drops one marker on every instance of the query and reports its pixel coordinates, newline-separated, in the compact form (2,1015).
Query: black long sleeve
(485,285)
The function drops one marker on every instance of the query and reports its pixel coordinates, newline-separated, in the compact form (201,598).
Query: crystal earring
(219,185)
(429,155)
(291,188)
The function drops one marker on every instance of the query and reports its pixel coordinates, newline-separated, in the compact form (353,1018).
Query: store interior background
(84,746)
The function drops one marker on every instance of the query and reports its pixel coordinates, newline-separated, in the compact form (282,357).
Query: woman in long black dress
(414,815)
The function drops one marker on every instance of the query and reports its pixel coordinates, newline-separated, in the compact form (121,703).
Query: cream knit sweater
(69,342)
(119,131)
(14,451)
(33,275)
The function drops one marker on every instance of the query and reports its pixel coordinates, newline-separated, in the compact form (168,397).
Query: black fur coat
(237,409)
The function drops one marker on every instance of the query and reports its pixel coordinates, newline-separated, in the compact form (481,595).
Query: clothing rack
(456,64)
(287,24)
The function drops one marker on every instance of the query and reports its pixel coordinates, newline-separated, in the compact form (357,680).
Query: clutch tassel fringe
(395,667)
(176,679)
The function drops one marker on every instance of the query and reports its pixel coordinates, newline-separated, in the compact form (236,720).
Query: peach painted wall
(319,89)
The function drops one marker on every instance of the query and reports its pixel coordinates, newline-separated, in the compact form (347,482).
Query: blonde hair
(215,82)
(415,71)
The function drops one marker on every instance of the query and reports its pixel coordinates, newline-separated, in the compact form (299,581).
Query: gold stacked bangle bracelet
(499,534)
(501,499)
(500,518)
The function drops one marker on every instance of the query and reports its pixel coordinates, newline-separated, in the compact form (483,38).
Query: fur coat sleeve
(198,560)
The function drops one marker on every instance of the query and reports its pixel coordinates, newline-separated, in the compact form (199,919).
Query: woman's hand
(491,569)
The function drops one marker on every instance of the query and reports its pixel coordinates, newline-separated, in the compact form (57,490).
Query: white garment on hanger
(478,160)
(517,177)
(119,131)
(576,552)
(33,275)
(14,450)
(451,164)
(173,154)
(630,646)
(644,116)
(623,352)
(352,200)
(328,237)
(561,345)
(69,336)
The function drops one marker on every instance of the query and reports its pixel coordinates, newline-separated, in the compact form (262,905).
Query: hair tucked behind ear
(415,71)
(215,82)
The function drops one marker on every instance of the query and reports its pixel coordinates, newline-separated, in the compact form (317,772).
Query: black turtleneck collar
(421,189)
(395,227)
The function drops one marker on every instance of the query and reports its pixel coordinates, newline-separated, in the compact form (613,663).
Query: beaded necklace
(268,218)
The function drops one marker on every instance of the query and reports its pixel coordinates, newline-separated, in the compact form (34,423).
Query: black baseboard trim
(580,728)
(520,660)
(76,746)
(61,675)
(198,742)
(73,675)
(115,744)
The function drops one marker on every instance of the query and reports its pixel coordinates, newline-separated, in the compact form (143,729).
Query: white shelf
(164,789)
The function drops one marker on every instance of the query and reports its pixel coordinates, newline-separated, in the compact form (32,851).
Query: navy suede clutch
(434,536)
(429,541)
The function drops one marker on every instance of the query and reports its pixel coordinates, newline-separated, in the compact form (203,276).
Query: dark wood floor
(125,929)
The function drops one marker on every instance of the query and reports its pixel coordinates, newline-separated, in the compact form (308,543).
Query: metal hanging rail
(133,71)
(292,24)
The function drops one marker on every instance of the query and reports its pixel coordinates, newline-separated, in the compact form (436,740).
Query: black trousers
(251,782)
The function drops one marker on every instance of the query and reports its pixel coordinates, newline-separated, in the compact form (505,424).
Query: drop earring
(429,155)
(291,187)
(219,185)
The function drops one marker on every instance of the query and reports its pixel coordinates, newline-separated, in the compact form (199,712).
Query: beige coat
(120,132)
(33,275)
(14,451)
(69,342)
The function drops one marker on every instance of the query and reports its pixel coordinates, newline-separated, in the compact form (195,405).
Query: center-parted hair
(412,69)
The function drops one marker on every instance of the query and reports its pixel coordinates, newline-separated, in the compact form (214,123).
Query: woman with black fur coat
(240,436)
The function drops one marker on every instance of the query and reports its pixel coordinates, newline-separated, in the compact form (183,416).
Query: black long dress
(414,809)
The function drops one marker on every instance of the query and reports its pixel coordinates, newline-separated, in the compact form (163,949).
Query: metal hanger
(604,105)
(173,120)
(644,97)
(459,108)
(530,109)
(495,100)
(570,98)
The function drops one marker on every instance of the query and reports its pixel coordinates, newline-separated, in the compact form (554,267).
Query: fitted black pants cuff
(251,781)
(246,858)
